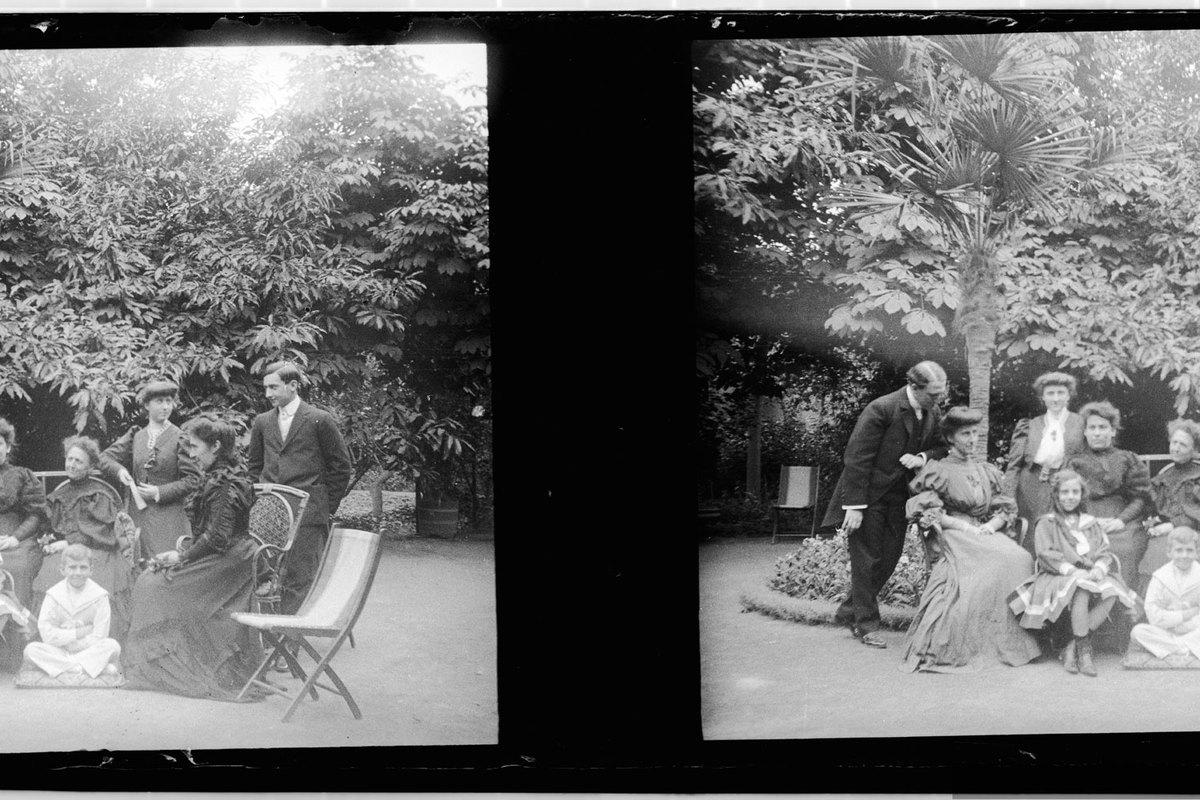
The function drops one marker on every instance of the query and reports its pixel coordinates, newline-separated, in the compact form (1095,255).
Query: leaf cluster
(820,570)
(159,222)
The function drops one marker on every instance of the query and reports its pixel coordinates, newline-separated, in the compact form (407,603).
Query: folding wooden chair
(798,487)
(329,611)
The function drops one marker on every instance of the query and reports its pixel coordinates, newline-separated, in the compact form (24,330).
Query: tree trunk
(981,344)
(978,323)
(754,453)
(377,497)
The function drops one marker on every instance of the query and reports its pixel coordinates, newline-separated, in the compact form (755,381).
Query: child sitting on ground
(74,622)
(1173,601)
(1076,573)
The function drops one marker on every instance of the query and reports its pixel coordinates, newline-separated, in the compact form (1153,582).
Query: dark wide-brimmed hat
(155,389)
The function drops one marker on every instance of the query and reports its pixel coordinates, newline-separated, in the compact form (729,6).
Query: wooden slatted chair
(329,611)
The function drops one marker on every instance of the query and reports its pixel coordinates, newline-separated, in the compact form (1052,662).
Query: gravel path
(763,678)
(358,502)
(423,672)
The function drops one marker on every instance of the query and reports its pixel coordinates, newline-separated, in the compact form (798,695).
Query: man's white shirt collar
(912,401)
(291,408)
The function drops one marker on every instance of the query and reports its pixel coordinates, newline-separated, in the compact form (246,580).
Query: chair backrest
(343,580)
(797,487)
(52,479)
(276,514)
(1155,462)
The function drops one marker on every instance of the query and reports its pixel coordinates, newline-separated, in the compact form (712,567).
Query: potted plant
(431,448)
(389,429)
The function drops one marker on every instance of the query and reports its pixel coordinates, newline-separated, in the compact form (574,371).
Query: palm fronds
(1032,152)
(1009,64)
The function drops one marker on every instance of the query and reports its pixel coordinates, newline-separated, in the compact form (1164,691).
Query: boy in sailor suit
(74,622)
(1173,601)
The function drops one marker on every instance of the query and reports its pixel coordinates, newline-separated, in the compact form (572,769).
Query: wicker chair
(274,520)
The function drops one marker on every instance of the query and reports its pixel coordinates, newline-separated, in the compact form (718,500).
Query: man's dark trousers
(875,549)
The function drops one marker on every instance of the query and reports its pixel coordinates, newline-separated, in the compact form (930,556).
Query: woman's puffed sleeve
(188,481)
(1189,501)
(930,478)
(225,499)
(927,489)
(1016,457)
(118,456)
(32,505)
(1136,488)
(97,515)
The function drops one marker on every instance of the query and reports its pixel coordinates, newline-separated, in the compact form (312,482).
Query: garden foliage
(820,570)
(1035,189)
(162,214)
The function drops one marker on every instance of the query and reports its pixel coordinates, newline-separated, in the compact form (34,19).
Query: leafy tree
(911,167)
(156,223)
(988,133)
(1116,270)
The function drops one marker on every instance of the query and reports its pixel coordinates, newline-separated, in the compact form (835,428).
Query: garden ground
(764,678)
(423,673)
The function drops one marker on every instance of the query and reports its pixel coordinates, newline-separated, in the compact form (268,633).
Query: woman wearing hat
(150,462)
(1041,446)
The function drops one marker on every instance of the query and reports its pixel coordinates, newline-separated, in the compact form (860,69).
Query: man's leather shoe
(873,639)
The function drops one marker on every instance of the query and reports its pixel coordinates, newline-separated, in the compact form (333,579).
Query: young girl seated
(1074,570)
(1173,601)
(74,622)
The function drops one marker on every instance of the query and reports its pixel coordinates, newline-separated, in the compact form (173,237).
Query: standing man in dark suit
(299,445)
(894,435)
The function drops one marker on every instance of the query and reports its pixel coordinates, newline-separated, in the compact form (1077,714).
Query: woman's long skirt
(182,638)
(963,623)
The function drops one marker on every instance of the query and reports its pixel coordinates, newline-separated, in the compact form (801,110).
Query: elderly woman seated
(87,511)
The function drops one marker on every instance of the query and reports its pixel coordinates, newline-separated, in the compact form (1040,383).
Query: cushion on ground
(1138,657)
(36,679)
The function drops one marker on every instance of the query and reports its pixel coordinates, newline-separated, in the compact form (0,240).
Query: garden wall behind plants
(820,570)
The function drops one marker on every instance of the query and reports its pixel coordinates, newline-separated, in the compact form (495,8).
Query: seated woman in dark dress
(181,637)
(1175,492)
(1118,486)
(82,511)
(22,508)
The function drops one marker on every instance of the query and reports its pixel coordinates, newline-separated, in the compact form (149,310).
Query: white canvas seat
(329,610)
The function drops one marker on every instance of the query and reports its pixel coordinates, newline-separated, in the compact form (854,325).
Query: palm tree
(988,134)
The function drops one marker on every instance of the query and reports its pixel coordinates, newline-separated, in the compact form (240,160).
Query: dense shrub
(820,570)
(808,411)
